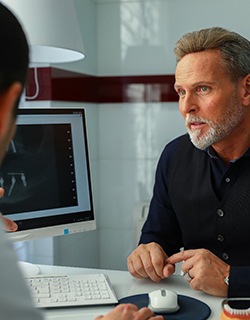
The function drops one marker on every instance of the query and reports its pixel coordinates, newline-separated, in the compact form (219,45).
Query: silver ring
(187,276)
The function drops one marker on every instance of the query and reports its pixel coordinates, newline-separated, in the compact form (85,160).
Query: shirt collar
(212,154)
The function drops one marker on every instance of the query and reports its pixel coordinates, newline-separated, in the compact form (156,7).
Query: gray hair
(235,49)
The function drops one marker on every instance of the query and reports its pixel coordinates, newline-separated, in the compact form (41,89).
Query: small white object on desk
(163,301)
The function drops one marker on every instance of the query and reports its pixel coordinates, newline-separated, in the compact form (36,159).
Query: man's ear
(8,100)
(246,90)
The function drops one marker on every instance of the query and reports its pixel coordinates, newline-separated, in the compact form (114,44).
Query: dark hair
(234,49)
(14,53)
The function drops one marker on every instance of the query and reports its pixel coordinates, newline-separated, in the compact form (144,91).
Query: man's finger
(1,192)
(181,256)
(168,270)
(152,265)
(135,267)
(9,225)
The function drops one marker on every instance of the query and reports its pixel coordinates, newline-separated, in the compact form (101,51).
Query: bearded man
(200,209)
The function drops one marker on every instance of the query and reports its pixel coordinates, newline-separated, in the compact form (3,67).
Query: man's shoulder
(170,149)
(179,141)
(179,147)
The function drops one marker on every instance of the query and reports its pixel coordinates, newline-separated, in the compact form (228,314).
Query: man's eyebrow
(196,84)
(176,86)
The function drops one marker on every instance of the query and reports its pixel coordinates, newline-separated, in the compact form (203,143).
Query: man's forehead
(199,67)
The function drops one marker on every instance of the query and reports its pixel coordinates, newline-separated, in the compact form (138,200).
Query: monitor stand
(28,269)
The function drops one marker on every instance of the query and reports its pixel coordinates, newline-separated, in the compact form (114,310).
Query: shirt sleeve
(161,225)
(15,299)
(239,282)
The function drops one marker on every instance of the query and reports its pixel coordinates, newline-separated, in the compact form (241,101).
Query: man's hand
(207,271)
(149,261)
(9,225)
(129,312)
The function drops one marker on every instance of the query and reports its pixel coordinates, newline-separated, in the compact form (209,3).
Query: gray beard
(216,131)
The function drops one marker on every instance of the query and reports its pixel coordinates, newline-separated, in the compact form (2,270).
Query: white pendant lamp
(52,29)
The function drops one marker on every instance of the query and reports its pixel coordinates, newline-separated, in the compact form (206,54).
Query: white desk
(125,285)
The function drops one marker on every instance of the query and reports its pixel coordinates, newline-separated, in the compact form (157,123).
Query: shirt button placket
(220,213)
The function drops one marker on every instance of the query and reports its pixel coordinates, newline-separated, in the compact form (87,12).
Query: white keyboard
(71,290)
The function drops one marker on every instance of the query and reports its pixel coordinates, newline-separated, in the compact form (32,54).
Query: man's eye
(202,89)
(181,92)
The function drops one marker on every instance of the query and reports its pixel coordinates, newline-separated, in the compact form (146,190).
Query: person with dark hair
(13,68)
(200,209)
(15,299)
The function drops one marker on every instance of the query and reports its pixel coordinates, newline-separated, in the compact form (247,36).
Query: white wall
(123,24)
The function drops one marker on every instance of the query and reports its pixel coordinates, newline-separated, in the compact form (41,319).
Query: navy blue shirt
(163,227)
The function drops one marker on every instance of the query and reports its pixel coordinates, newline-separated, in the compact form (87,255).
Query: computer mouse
(163,301)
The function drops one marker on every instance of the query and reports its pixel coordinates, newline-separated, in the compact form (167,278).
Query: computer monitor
(46,174)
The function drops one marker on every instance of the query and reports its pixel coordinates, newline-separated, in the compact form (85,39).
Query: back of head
(235,49)
(14,53)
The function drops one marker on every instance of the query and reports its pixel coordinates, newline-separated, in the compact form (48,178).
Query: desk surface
(125,285)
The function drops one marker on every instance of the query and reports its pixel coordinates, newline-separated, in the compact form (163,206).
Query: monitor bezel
(52,229)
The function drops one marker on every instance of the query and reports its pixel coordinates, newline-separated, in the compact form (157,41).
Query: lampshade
(51,27)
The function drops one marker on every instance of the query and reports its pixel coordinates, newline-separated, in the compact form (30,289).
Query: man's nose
(188,104)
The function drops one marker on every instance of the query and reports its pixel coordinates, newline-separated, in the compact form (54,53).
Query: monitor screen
(46,174)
